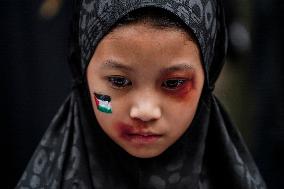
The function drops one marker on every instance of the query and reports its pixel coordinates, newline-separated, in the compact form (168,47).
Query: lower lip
(127,133)
(141,139)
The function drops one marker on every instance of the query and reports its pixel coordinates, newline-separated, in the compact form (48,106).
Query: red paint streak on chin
(136,135)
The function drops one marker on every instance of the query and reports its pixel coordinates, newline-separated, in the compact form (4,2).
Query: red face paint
(184,90)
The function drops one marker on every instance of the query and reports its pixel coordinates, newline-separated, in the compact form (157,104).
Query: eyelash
(120,82)
(176,83)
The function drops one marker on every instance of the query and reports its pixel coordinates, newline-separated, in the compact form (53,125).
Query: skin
(155,78)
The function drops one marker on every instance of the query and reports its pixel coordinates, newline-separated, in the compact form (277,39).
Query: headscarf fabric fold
(76,153)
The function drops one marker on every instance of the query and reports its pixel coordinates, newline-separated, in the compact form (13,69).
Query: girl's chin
(144,153)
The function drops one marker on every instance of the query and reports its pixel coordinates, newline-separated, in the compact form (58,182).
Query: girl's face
(154,78)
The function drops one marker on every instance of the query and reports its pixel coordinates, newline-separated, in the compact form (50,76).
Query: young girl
(142,113)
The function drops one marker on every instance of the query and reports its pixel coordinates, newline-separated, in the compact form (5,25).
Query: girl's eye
(172,84)
(119,81)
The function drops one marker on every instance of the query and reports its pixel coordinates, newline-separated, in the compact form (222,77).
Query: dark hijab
(76,153)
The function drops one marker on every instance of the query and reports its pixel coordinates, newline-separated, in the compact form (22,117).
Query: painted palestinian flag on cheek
(103,103)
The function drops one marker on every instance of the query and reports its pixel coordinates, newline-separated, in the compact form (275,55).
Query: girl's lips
(141,138)
(137,134)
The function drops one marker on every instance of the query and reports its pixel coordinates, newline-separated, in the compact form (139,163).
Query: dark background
(35,79)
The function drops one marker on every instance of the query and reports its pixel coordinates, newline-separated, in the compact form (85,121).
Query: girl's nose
(145,110)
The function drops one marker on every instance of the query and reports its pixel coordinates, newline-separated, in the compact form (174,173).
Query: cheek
(107,119)
(185,102)
(180,119)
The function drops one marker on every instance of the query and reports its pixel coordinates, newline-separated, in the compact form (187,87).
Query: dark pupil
(119,81)
(173,83)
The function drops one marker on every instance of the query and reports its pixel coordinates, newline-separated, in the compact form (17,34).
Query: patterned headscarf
(76,154)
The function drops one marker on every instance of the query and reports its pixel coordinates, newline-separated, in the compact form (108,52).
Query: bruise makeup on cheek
(103,103)
(184,91)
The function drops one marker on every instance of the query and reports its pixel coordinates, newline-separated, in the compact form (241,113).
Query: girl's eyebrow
(177,67)
(115,65)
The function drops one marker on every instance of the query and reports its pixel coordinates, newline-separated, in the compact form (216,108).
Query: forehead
(143,40)
(142,30)
(144,49)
